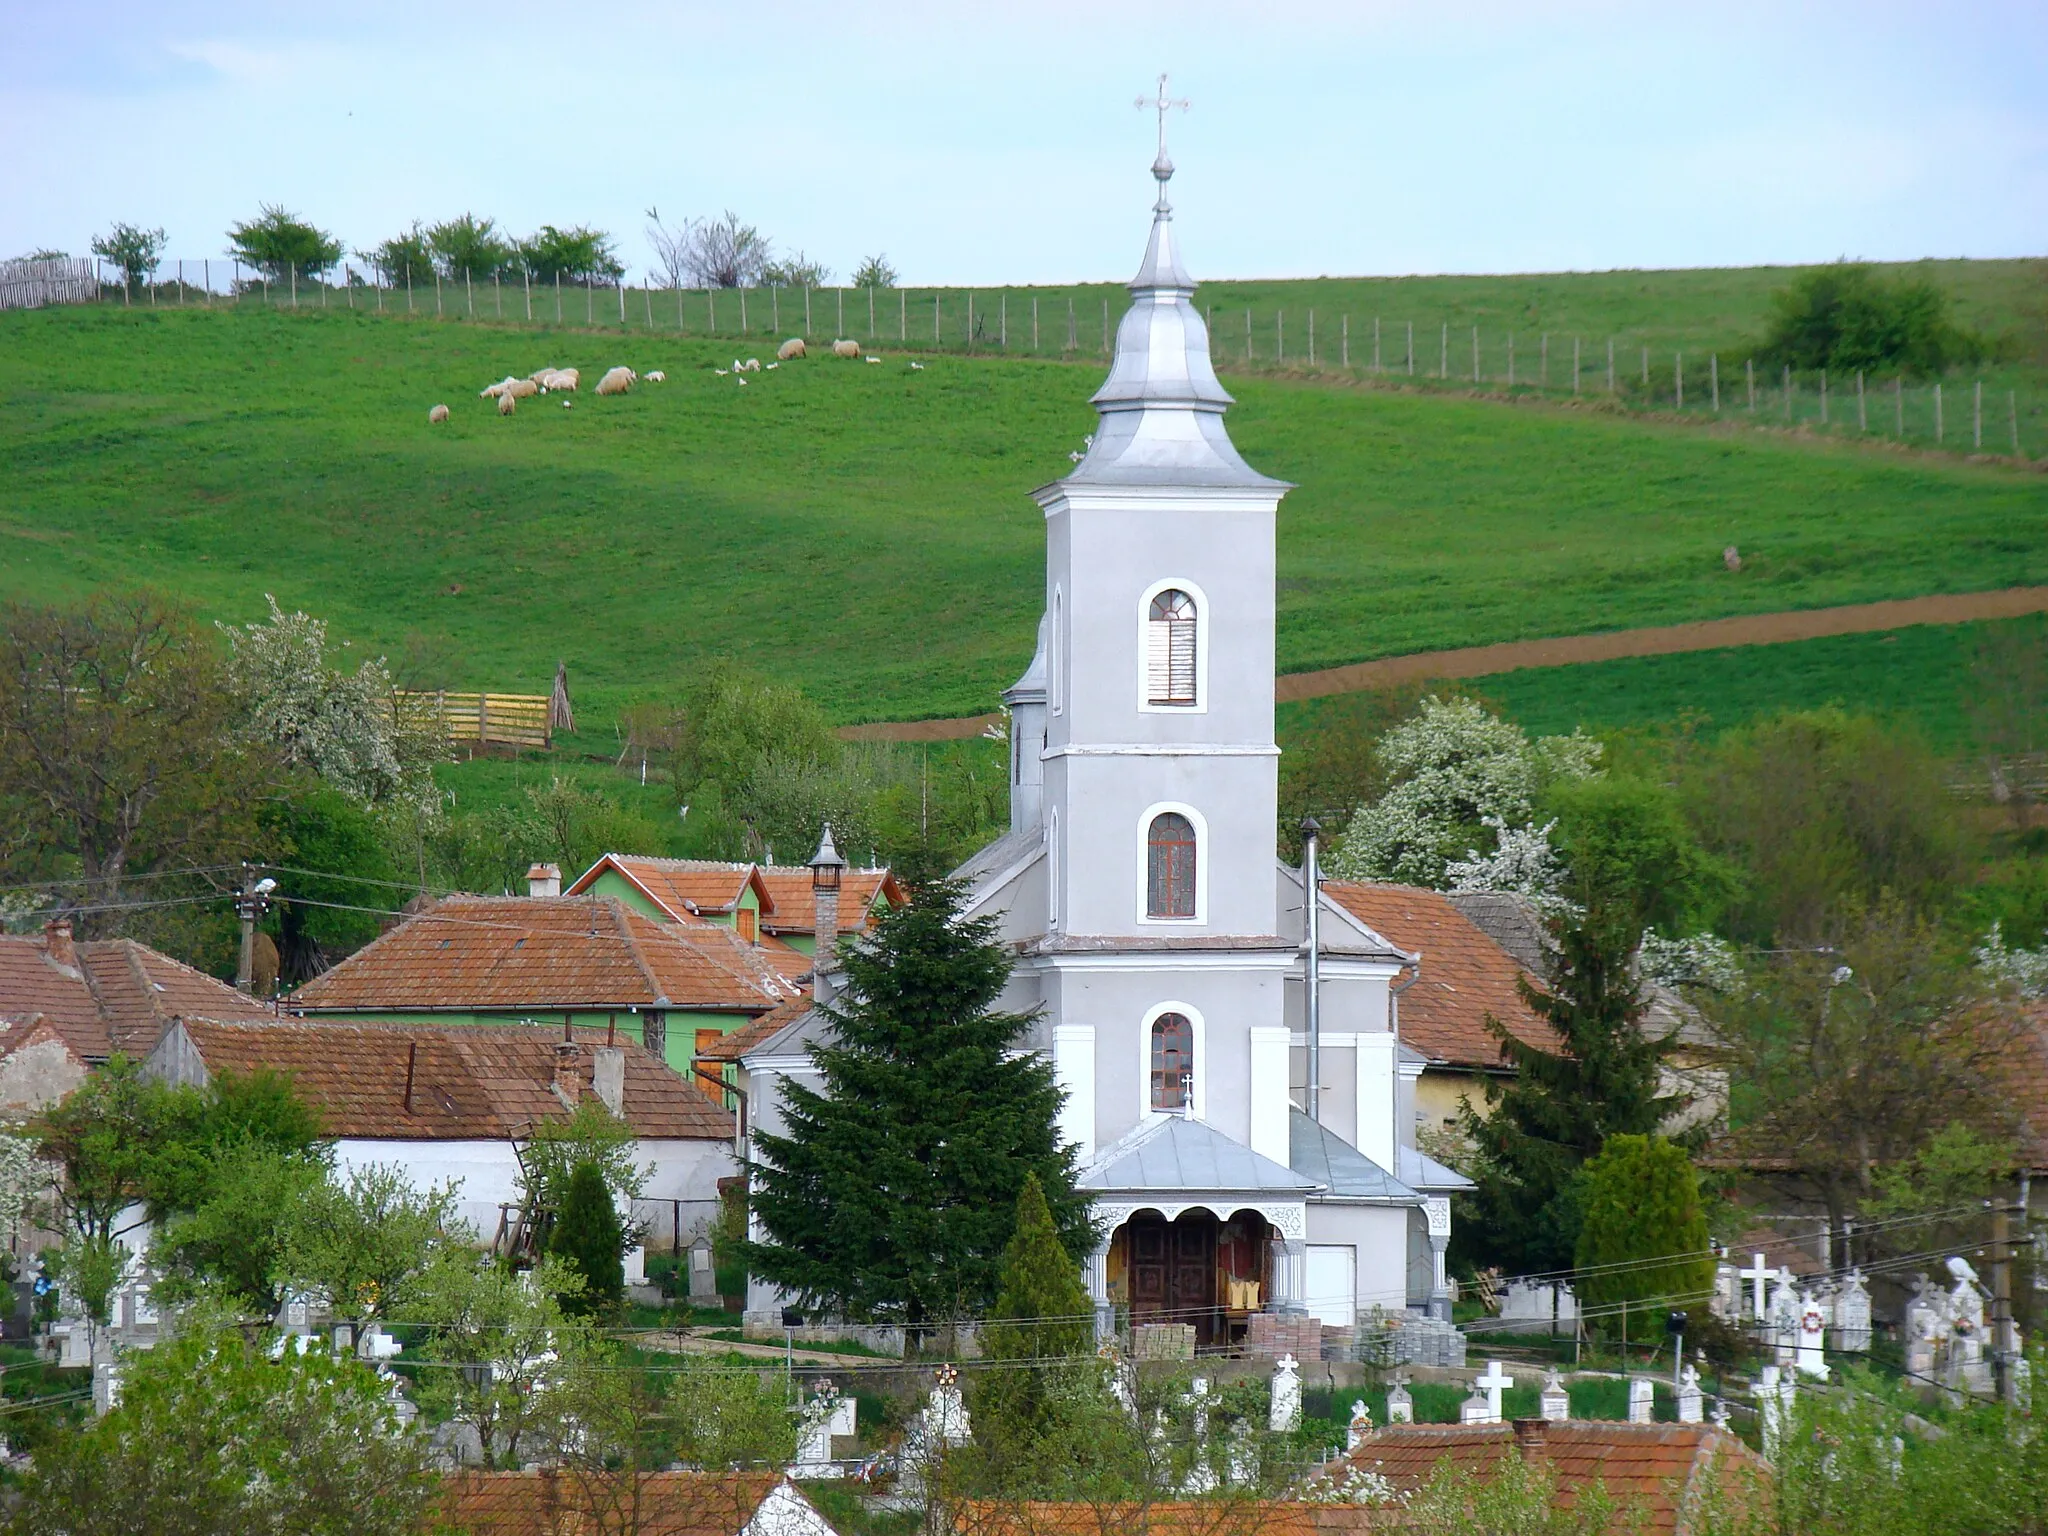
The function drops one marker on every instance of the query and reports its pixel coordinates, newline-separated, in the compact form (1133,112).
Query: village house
(68,1005)
(765,904)
(557,1501)
(455,1102)
(589,962)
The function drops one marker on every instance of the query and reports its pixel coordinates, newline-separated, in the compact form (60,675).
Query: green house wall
(683,1024)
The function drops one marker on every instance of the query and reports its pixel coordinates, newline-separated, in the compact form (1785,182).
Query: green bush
(406,258)
(587,1237)
(575,255)
(470,247)
(280,243)
(1846,316)
(1641,1203)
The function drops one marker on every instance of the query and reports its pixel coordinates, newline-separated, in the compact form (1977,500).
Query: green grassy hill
(864,530)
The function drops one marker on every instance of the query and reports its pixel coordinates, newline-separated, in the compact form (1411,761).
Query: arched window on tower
(1170,866)
(1170,649)
(1173,1062)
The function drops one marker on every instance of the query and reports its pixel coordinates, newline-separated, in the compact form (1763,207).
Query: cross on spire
(1162,167)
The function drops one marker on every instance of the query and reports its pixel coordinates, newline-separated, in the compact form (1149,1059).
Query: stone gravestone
(1926,1327)
(945,1413)
(825,1415)
(1968,1370)
(1284,1410)
(1813,1336)
(1478,1408)
(1783,1326)
(1851,1333)
(1496,1386)
(1776,1392)
(1400,1409)
(1556,1402)
(1727,1302)
(703,1273)
(1642,1400)
(1691,1401)
(1530,1306)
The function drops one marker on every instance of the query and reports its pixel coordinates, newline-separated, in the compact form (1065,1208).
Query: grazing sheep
(437,415)
(616,381)
(565,379)
(872,359)
(790,349)
(773,366)
(521,388)
(844,348)
(655,376)
(753,365)
(540,375)
(495,391)
(507,403)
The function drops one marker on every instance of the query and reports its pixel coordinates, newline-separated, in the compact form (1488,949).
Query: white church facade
(1163,945)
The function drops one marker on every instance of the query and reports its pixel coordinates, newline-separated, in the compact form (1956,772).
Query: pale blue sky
(985,144)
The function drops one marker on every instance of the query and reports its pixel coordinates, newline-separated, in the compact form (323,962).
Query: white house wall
(1379,1234)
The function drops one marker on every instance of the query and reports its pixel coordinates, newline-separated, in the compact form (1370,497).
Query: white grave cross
(1495,1384)
(1284,1409)
(1761,1277)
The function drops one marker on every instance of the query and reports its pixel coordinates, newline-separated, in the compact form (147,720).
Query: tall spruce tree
(590,1238)
(1042,1314)
(893,1192)
(1560,1106)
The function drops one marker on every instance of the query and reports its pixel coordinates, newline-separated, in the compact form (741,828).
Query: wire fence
(2003,414)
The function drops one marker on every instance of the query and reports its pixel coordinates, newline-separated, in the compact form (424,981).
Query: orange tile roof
(1465,974)
(683,888)
(469,1082)
(1654,1471)
(2024,1079)
(110,995)
(733,1046)
(796,906)
(546,953)
(1217,1517)
(549,1501)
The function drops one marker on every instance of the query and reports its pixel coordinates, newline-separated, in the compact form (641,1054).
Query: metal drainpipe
(1311,976)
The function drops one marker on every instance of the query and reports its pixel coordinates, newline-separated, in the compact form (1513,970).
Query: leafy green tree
(575,255)
(496,1338)
(875,272)
(366,1243)
(1559,1106)
(468,246)
(1626,845)
(1820,810)
(1847,316)
(280,243)
(1640,1209)
(1042,1313)
(405,259)
(119,755)
(796,270)
(723,1418)
(101,1141)
(319,828)
(893,1192)
(132,248)
(588,1238)
(213,1437)
(230,1243)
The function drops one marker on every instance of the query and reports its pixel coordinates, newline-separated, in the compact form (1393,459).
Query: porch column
(1095,1274)
(1437,1209)
(1290,1276)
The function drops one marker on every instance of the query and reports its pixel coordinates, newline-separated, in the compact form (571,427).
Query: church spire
(1161,406)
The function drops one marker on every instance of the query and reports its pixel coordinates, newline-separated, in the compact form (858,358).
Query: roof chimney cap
(57,943)
(1532,1435)
(544,880)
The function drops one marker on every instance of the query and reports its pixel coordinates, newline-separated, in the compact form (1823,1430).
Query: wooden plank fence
(32,284)
(2000,779)
(488,719)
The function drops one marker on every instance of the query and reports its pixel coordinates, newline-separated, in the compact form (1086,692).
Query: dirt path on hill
(1569,650)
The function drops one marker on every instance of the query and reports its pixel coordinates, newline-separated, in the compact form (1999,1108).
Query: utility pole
(2004,1350)
(252,900)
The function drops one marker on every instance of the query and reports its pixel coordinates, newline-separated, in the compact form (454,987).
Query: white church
(1181,988)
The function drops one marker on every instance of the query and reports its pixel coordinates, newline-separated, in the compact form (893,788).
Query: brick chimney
(544,880)
(57,943)
(1532,1435)
(567,1079)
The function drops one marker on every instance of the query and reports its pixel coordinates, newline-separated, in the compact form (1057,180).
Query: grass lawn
(864,530)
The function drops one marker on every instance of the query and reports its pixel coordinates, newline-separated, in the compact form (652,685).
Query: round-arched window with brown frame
(1173,1062)
(1170,855)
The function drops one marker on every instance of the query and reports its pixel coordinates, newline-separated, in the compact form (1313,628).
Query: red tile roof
(469,1082)
(1656,1472)
(106,995)
(546,953)
(2025,1083)
(796,906)
(556,1502)
(683,888)
(733,1046)
(1465,974)
(1214,1517)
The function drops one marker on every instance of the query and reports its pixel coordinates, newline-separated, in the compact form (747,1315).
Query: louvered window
(1170,649)
(1170,866)
(1173,1061)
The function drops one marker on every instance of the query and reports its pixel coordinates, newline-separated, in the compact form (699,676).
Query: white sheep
(872,359)
(507,403)
(753,365)
(495,391)
(843,348)
(521,388)
(655,376)
(790,349)
(617,381)
(437,415)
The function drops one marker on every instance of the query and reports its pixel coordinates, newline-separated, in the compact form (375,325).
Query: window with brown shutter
(1170,649)
(748,924)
